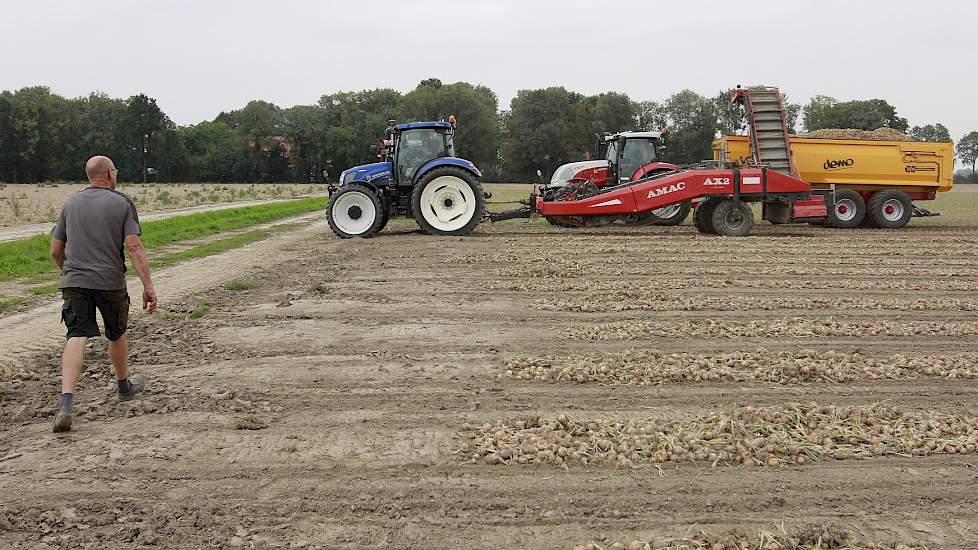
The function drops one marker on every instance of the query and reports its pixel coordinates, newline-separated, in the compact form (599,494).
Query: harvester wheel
(847,211)
(889,209)
(674,214)
(448,201)
(563,221)
(703,215)
(732,218)
(354,210)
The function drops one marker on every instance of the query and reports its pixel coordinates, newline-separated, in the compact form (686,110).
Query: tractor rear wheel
(674,214)
(385,214)
(448,201)
(354,210)
(732,218)
(846,211)
(889,209)
(703,215)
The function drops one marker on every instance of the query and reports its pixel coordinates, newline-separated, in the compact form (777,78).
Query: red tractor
(628,156)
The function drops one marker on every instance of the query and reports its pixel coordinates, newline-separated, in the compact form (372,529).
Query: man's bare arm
(58,253)
(140,262)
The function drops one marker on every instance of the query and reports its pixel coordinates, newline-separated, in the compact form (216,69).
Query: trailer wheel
(732,218)
(847,211)
(889,209)
(703,215)
(448,201)
(674,214)
(354,210)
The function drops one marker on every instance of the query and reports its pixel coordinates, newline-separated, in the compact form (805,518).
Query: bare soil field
(522,387)
(22,204)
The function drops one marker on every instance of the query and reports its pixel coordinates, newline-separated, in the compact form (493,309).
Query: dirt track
(360,362)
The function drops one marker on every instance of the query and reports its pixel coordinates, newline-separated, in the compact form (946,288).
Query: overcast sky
(198,58)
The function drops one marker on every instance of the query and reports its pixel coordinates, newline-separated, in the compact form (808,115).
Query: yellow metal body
(859,164)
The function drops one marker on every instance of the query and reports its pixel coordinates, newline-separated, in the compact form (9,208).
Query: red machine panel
(674,188)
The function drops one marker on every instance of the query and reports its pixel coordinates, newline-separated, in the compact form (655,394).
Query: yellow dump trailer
(872,182)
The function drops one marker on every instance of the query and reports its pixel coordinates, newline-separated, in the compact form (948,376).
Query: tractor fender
(445,161)
(647,169)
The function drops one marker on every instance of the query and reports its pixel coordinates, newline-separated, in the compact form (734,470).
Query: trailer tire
(673,216)
(732,218)
(448,201)
(354,210)
(889,209)
(703,215)
(846,210)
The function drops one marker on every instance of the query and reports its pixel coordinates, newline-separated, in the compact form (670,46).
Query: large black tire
(354,210)
(448,201)
(703,215)
(678,217)
(889,209)
(385,215)
(732,218)
(846,210)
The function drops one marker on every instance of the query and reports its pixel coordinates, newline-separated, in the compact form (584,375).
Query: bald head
(101,171)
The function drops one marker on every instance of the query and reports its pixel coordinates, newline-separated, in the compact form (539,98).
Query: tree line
(46,137)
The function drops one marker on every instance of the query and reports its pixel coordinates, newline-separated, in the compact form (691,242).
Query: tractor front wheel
(354,210)
(448,201)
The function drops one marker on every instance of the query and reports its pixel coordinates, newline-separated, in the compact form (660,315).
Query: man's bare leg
(119,355)
(72,361)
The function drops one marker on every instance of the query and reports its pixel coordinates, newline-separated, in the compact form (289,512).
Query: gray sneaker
(137,383)
(62,421)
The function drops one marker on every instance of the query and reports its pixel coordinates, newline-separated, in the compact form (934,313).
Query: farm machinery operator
(96,225)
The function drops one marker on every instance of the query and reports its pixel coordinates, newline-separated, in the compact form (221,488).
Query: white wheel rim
(845,209)
(893,210)
(666,211)
(448,203)
(353,213)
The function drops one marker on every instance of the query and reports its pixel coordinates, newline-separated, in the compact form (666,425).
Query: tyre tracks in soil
(366,381)
(36,330)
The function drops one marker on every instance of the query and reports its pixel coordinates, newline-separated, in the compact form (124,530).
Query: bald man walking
(87,244)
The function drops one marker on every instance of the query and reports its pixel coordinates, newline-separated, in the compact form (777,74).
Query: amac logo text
(666,190)
(838,164)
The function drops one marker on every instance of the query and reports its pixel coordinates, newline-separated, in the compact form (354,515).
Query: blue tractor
(419,176)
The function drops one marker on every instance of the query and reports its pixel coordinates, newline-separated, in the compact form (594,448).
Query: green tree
(967,150)
(869,114)
(475,107)
(931,132)
(261,122)
(544,129)
(651,115)
(693,124)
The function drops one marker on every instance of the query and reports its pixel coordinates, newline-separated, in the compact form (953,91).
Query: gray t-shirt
(94,224)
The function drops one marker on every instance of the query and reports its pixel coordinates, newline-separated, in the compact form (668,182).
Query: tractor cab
(410,146)
(628,151)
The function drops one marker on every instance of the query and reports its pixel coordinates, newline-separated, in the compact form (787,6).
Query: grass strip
(7,303)
(28,257)
(218,246)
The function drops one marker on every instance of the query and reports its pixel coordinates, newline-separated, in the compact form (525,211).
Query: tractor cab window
(637,153)
(417,147)
(611,151)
